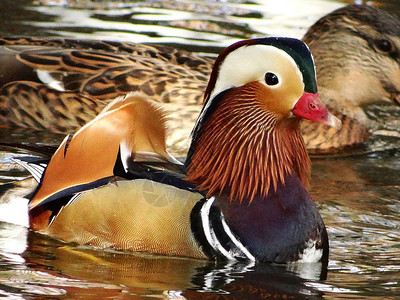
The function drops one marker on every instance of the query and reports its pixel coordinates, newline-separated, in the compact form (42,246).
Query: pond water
(358,196)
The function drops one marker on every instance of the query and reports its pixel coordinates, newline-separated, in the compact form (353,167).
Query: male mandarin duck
(355,50)
(242,191)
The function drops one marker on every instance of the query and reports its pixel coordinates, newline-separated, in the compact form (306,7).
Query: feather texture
(245,150)
(128,125)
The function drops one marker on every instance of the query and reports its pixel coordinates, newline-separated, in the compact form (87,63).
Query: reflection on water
(193,25)
(359,199)
(53,267)
(358,196)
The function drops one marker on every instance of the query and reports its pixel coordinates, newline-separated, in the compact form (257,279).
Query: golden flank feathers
(131,126)
(147,216)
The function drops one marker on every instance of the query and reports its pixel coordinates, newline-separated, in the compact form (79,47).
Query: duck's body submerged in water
(355,48)
(242,192)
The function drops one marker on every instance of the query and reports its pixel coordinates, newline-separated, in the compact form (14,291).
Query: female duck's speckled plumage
(112,184)
(93,73)
(356,52)
(355,49)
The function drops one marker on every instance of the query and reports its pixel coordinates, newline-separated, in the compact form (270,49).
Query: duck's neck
(242,150)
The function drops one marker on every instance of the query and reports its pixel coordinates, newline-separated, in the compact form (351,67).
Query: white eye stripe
(250,63)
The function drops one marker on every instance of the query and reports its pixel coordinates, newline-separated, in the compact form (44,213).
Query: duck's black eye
(271,78)
(384,45)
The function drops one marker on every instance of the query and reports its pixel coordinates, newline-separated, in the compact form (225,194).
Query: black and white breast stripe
(214,235)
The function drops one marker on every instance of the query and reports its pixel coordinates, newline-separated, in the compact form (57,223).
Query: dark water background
(358,196)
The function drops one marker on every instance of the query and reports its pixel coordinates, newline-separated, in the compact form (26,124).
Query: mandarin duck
(241,193)
(60,84)
(356,52)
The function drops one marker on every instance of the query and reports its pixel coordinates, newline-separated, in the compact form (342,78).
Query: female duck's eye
(384,45)
(271,78)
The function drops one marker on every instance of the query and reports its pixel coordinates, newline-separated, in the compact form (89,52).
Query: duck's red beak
(310,107)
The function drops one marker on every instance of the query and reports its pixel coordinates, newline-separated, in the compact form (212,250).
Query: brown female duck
(355,50)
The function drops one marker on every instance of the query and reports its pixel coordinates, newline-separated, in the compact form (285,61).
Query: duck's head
(258,91)
(357,54)
(279,72)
